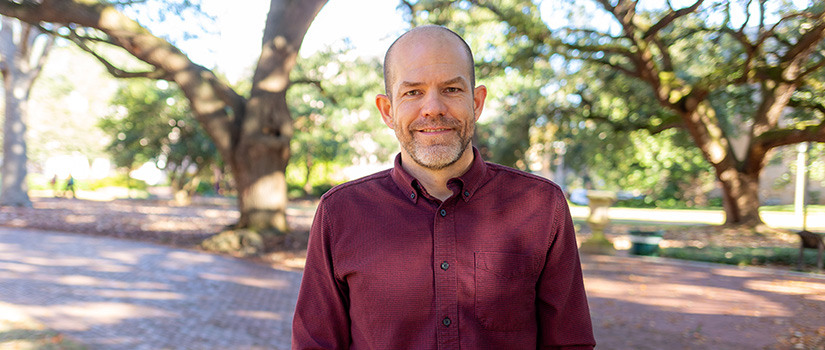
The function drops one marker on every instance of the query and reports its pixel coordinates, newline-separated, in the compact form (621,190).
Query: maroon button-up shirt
(495,266)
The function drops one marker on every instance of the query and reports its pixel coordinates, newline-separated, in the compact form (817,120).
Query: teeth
(433,130)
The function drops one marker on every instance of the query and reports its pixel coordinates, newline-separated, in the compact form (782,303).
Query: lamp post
(800,207)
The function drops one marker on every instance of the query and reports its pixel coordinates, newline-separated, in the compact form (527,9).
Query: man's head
(431,102)
(430,30)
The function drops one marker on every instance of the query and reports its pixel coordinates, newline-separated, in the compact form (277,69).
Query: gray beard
(437,157)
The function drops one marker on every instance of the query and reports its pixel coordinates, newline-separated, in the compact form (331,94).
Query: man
(444,251)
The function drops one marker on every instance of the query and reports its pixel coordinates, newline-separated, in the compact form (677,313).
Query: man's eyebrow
(456,80)
(407,84)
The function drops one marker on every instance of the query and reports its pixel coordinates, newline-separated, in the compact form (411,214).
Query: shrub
(121,180)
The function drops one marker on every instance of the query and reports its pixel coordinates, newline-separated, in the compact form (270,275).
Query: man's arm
(321,316)
(563,314)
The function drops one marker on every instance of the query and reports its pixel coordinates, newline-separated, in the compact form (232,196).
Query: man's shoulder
(369,183)
(519,177)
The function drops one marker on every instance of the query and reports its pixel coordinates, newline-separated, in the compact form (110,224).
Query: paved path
(117,294)
(652,303)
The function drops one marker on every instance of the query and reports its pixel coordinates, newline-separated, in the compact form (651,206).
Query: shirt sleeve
(321,318)
(563,314)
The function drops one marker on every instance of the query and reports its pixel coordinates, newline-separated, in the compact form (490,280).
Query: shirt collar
(468,183)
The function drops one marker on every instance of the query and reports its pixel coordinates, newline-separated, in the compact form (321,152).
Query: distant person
(445,250)
(70,186)
(53,183)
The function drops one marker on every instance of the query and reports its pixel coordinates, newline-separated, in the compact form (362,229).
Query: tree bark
(20,63)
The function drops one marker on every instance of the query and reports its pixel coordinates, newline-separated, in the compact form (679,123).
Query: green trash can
(645,242)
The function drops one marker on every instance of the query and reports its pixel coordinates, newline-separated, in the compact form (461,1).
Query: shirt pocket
(505,290)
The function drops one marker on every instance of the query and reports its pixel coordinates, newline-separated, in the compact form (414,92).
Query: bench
(811,240)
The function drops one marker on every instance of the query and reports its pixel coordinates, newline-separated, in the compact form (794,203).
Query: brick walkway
(117,294)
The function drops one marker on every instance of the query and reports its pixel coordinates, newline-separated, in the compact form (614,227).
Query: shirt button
(443,213)
(446,322)
(466,193)
(412,195)
(445,265)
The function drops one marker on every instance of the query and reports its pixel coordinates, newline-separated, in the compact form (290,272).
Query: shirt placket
(444,258)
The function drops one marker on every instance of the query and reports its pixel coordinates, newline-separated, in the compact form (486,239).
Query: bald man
(444,250)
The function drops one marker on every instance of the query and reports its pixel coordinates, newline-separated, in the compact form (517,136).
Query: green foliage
(335,120)
(742,256)
(151,122)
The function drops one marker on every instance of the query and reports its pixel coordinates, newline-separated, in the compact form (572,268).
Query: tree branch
(789,136)
(669,121)
(571,31)
(625,126)
(807,41)
(669,18)
(157,73)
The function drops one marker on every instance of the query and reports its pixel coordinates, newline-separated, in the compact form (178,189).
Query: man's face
(433,108)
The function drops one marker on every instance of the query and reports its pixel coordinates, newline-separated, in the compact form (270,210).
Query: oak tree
(252,134)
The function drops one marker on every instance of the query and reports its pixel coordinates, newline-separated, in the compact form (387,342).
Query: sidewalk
(117,294)
(653,303)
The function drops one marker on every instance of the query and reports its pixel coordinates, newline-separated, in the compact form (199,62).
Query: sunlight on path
(816,221)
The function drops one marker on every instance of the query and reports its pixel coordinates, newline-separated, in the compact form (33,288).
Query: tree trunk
(739,180)
(14,191)
(259,165)
(260,158)
(740,197)
(20,63)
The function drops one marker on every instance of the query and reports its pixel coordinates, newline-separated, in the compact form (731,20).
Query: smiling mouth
(434,130)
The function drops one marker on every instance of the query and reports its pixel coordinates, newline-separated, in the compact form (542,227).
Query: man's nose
(433,105)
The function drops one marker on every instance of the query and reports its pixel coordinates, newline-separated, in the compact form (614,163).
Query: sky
(370,25)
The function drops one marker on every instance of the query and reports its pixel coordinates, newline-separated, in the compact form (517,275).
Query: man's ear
(479,95)
(384,106)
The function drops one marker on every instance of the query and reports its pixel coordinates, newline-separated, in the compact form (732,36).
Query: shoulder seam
(378,175)
(522,174)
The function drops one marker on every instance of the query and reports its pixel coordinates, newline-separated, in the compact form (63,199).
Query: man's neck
(435,181)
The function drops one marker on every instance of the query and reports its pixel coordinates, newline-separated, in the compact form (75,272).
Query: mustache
(435,123)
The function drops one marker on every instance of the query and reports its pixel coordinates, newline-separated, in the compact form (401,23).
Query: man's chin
(436,157)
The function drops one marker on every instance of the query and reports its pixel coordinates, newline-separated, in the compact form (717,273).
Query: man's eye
(452,89)
(412,93)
